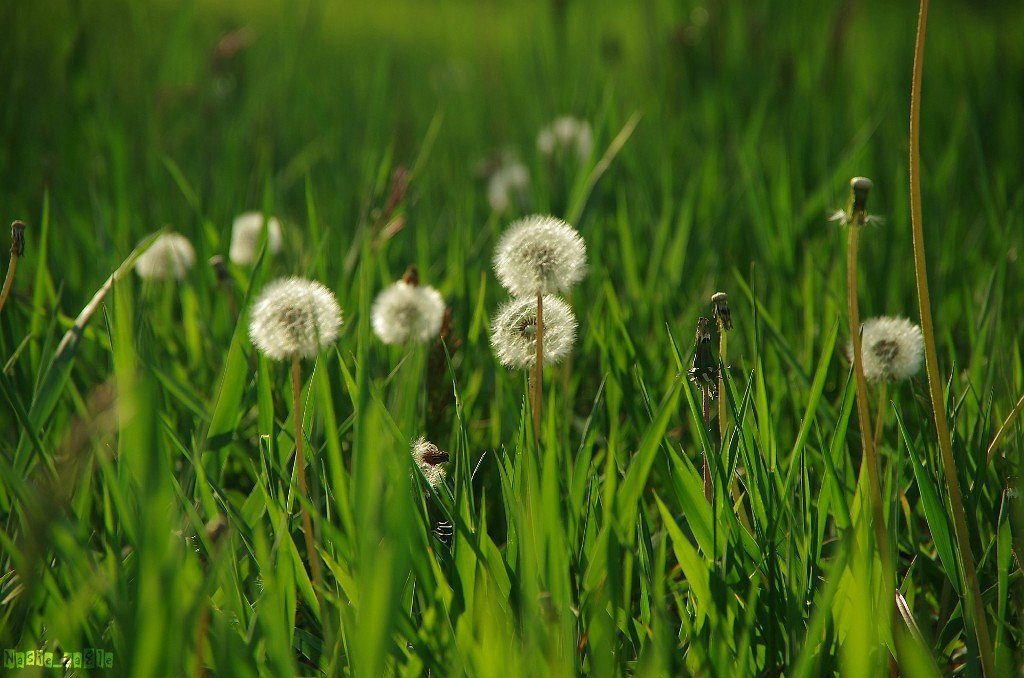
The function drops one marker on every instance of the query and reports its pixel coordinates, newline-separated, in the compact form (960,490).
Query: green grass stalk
(974,604)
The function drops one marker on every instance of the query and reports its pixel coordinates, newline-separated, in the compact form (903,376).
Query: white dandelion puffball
(509,183)
(892,349)
(170,256)
(428,459)
(540,255)
(404,312)
(294,317)
(514,332)
(245,237)
(568,134)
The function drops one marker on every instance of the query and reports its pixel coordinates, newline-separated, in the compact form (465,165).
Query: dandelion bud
(860,186)
(428,459)
(219,267)
(704,369)
(245,237)
(514,332)
(540,255)
(720,302)
(170,256)
(408,312)
(17,239)
(294,317)
(892,349)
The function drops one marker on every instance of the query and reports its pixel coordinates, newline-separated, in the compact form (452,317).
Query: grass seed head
(406,312)
(294,317)
(892,348)
(540,255)
(514,332)
(170,256)
(245,237)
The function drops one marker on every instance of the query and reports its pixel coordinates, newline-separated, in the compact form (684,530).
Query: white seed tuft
(428,459)
(514,332)
(404,313)
(245,237)
(892,349)
(566,134)
(508,185)
(540,255)
(294,317)
(170,256)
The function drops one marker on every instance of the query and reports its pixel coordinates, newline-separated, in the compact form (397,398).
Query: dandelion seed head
(170,256)
(514,332)
(892,349)
(245,237)
(428,458)
(508,184)
(540,255)
(294,317)
(566,134)
(405,312)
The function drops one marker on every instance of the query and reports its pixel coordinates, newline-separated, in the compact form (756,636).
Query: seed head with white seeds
(294,317)
(566,134)
(428,458)
(892,349)
(170,256)
(514,332)
(408,313)
(245,237)
(508,186)
(540,255)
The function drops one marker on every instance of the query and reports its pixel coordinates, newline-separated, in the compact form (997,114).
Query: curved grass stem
(974,604)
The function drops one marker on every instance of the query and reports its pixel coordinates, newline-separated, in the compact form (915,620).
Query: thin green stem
(300,469)
(537,380)
(975,605)
(709,488)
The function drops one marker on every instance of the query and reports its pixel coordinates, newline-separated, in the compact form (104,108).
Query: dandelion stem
(300,469)
(538,371)
(858,216)
(880,414)
(17,249)
(975,604)
(705,411)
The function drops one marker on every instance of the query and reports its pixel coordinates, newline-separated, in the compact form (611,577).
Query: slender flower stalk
(856,217)
(17,251)
(974,604)
(293,319)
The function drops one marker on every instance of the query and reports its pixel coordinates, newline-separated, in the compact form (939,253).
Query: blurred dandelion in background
(246,232)
(170,256)
(566,135)
(508,186)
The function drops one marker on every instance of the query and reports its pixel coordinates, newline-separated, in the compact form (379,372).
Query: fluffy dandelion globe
(407,313)
(892,349)
(508,185)
(245,237)
(514,332)
(170,256)
(294,318)
(566,133)
(428,459)
(540,255)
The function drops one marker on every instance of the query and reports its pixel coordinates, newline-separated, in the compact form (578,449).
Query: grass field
(149,503)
